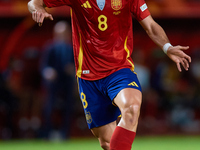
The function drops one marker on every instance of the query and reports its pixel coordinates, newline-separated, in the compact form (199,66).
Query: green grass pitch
(140,143)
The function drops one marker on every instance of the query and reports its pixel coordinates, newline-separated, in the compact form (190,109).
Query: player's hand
(39,16)
(179,57)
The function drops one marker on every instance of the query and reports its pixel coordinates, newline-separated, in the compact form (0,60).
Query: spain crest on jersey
(116,4)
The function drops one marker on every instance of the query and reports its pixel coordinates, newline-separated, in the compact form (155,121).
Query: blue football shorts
(97,96)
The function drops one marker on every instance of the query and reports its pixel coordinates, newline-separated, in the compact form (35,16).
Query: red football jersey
(102,34)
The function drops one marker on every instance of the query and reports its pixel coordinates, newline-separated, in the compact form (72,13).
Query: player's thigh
(128,97)
(104,133)
(129,102)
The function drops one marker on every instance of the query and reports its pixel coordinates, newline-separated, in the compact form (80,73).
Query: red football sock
(122,139)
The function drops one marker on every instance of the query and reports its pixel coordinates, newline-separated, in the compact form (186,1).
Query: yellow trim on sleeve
(80,59)
(128,53)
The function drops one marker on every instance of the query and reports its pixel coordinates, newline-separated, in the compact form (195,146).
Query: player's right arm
(37,8)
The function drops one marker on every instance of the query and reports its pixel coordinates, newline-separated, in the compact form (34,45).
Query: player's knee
(131,113)
(105,145)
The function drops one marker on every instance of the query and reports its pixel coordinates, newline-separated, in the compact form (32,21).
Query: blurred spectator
(58,75)
(141,69)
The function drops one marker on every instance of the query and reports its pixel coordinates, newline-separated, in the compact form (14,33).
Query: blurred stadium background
(171,100)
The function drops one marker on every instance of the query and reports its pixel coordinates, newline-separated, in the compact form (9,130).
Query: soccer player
(103,43)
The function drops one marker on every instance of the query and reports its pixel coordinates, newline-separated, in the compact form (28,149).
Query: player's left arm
(158,35)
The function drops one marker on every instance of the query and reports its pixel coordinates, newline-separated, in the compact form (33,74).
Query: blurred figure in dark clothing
(58,74)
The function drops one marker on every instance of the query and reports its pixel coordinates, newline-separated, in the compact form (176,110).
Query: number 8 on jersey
(102,22)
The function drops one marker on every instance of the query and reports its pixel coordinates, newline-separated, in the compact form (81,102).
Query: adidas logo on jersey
(86,5)
(133,84)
